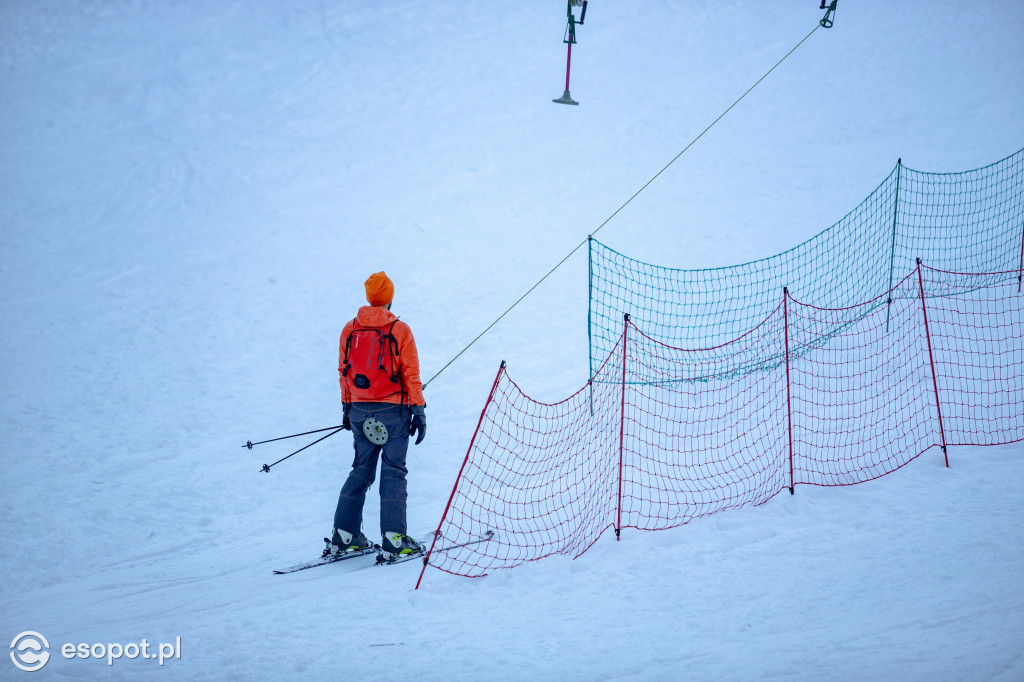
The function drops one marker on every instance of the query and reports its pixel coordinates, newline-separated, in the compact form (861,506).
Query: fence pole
(789,408)
(931,362)
(437,533)
(892,253)
(590,317)
(622,423)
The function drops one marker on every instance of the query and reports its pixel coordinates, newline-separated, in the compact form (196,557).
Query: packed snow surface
(193,194)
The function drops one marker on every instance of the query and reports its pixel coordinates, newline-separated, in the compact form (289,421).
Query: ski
(385,560)
(381,559)
(329,559)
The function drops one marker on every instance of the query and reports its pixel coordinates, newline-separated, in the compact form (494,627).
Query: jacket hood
(374,316)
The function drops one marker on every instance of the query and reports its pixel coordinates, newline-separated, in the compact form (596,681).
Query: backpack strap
(392,341)
(348,344)
(397,376)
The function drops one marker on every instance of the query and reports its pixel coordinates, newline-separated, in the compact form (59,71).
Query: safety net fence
(662,435)
(971,221)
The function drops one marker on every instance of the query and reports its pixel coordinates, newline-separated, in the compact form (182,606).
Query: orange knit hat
(380,290)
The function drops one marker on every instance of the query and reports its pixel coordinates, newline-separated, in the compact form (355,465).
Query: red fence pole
(789,408)
(931,361)
(437,533)
(622,425)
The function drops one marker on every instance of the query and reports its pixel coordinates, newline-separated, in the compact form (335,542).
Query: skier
(382,400)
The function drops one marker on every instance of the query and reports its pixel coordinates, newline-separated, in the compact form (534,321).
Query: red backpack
(371,363)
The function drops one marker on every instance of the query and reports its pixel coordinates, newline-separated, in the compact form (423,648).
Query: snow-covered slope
(193,195)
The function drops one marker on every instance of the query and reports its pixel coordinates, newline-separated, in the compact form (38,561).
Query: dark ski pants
(393,492)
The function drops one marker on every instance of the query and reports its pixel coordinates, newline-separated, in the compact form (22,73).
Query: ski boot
(343,542)
(399,544)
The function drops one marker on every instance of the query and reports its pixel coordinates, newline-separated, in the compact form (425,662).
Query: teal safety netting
(971,221)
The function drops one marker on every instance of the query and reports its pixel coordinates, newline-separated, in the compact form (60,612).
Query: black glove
(346,423)
(418,423)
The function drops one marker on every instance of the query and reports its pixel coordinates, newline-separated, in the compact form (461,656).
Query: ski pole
(249,443)
(266,467)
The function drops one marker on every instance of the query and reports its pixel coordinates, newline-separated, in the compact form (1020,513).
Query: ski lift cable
(627,202)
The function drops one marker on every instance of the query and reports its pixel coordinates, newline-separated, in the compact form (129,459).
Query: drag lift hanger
(570,38)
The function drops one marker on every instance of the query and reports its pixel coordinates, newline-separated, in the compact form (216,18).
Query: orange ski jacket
(408,357)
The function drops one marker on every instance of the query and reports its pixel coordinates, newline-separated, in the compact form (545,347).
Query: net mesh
(977,334)
(862,400)
(662,435)
(970,221)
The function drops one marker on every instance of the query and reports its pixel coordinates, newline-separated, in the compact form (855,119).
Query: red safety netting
(862,400)
(977,334)
(663,435)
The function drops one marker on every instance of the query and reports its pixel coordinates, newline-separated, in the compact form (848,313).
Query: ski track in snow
(194,196)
